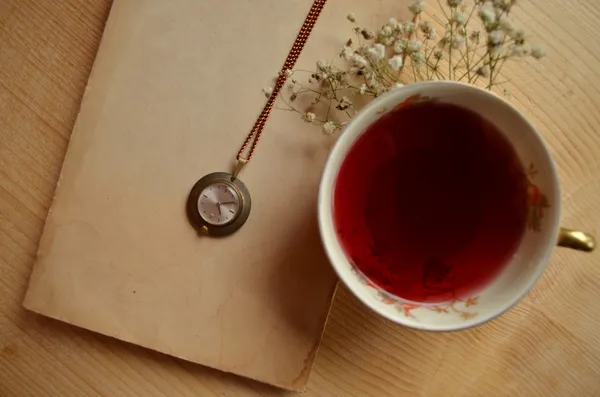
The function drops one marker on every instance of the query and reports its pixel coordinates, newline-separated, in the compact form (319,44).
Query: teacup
(534,250)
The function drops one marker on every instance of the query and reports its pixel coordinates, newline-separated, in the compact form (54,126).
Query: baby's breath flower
(487,14)
(309,117)
(507,25)
(344,104)
(329,128)
(400,46)
(386,40)
(518,50)
(376,52)
(268,91)
(518,36)
(416,7)
(460,19)
(396,62)
(375,64)
(323,66)
(496,37)
(347,53)
(359,61)
(428,31)
(483,71)
(367,34)
(458,43)
(538,52)
(408,27)
(341,76)
(495,50)
(413,46)
(431,34)
(372,83)
(503,5)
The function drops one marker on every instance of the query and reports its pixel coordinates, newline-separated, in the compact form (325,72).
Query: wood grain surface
(549,345)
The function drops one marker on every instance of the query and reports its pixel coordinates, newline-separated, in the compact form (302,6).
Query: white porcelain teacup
(533,253)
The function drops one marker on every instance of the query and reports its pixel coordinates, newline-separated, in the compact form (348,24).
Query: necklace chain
(254,135)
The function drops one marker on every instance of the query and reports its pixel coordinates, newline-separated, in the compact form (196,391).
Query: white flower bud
(309,117)
(518,51)
(400,45)
(496,37)
(460,19)
(359,60)
(483,71)
(396,62)
(329,128)
(538,52)
(416,7)
(347,53)
(459,42)
(376,52)
(413,46)
(268,91)
(507,25)
(487,14)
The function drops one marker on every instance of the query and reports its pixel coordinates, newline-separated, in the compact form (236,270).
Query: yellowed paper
(175,88)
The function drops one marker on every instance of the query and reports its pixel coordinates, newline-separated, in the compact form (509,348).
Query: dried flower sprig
(479,37)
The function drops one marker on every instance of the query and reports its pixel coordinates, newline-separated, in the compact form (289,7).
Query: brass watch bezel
(196,219)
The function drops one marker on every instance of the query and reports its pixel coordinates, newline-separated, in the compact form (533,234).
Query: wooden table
(549,345)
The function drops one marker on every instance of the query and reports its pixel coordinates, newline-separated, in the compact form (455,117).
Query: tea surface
(430,202)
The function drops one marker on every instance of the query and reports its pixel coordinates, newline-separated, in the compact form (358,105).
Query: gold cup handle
(577,240)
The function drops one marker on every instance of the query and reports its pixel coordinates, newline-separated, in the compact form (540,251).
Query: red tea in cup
(431,202)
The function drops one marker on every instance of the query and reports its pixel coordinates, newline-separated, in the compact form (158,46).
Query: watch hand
(228,202)
(219,207)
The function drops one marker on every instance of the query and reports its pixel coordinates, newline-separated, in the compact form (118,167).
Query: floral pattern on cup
(461,308)
(456,307)
(536,201)
(413,100)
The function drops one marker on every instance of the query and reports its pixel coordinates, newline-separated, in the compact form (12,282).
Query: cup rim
(327,183)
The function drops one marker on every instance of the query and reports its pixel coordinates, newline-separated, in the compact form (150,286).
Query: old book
(175,88)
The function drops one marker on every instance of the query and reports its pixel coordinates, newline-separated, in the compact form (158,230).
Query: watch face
(219,203)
